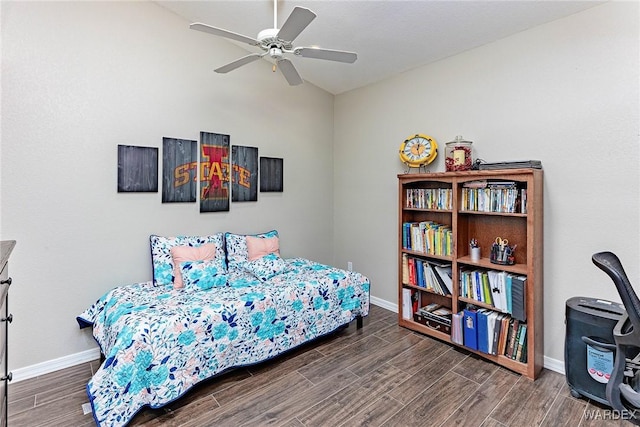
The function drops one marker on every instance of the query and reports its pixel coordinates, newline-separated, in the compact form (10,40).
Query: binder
(483,330)
(456,328)
(518,295)
(406,303)
(508,289)
(470,328)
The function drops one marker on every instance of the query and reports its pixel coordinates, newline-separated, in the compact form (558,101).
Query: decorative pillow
(202,274)
(266,267)
(237,252)
(162,262)
(180,254)
(258,247)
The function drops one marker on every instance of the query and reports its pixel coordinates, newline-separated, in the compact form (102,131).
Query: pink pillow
(257,247)
(180,254)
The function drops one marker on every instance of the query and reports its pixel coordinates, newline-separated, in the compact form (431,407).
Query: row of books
(435,277)
(429,198)
(504,291)
(495,197)
(490,332)
(428,237)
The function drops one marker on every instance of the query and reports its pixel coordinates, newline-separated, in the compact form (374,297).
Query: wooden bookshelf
(523,227)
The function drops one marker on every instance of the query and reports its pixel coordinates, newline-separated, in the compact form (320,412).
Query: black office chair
(623,388)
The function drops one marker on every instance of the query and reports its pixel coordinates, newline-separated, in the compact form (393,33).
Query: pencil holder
(502,254)
(474,252)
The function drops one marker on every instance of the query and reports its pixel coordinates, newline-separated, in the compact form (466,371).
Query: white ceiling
(389,36)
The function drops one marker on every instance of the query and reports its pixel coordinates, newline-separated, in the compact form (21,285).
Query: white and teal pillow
(202,275)
(266,267)
(237,252)
(162,261)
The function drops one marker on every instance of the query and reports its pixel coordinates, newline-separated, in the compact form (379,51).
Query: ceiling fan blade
(295,23)
(223,33)
(239,63)
(289,72)
(331,55)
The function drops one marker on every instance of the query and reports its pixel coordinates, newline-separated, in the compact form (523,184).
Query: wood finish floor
(380,375)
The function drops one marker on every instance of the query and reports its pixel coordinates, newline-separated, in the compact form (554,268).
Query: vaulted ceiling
(390,36)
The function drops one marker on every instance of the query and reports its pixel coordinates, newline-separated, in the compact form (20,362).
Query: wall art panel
(179,170)
(271,174)
(214,172)
(137,169)
(244,161)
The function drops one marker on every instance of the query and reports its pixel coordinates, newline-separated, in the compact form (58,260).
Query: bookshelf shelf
(486,263)
(514,214)
(418,327)
(424,255)
(505,203)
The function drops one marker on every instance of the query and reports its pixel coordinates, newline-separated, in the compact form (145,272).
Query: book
(432,282)
(442,311)
(469,328)
(513,333)
(504,334)
(430,307)
(405,269)
(519,164)
(475,280)
(522,337)
(443,274)
(487,293)
(523,357)
(420,281)
(475,184)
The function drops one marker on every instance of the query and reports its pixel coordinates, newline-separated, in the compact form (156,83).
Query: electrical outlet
(350,266)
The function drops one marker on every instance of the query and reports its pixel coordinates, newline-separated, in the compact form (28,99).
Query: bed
(159,339)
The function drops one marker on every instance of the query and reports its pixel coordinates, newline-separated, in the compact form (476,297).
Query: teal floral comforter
(159,342)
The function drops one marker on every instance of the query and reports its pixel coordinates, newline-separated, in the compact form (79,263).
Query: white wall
(566,93)
(79,78)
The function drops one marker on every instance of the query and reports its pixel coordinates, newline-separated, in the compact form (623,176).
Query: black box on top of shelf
(589,350)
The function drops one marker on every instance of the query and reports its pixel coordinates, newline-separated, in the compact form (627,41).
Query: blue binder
(470,328)
(483,330)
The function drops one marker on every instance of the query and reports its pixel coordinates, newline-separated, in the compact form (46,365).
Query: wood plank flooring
(380,375)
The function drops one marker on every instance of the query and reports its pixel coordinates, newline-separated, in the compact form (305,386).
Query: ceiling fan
(278,42)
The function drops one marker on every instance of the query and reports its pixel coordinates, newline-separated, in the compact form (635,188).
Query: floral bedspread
(159,342)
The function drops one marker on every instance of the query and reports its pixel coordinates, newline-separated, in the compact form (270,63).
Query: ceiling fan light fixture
(275,53)
(278,42)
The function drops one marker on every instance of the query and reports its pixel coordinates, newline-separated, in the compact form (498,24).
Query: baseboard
(554,365)
(384,304)
(94,353)
(49,366)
